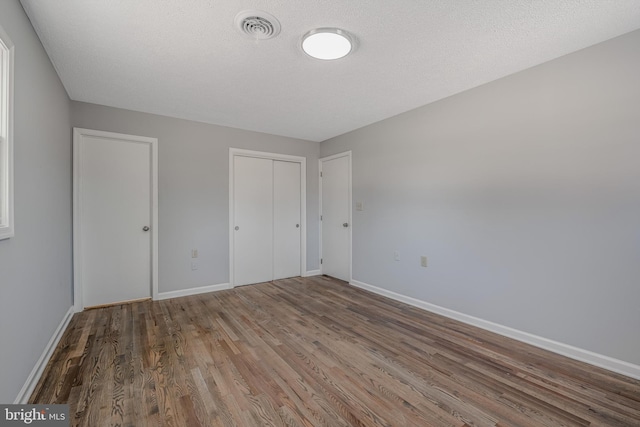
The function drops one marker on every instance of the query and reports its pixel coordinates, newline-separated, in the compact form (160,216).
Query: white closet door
(253,220)
(336,207)
(286,219)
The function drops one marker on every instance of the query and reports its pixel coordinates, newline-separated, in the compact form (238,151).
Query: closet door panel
(253,220)
(286,219)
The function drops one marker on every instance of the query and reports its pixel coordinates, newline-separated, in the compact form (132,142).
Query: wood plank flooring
(315,352)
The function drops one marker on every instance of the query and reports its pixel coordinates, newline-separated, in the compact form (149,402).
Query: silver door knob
(237,228)
(297,225)
(345,225)
(145,228)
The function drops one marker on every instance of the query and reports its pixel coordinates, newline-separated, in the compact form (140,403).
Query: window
(6,136)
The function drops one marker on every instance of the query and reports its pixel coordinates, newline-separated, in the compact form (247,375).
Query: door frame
(78,134)
(233,152)
(320,162)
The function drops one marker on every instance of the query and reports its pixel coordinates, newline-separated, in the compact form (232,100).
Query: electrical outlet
(194,253)
(423,261)
(194,265)
(396,255)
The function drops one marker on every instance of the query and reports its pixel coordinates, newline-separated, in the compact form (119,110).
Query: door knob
(297,225)
(345,225)
(237,228)
(145,228)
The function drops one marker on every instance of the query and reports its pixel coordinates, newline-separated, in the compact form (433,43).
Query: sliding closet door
(267,199)
(253,220)
(286,219)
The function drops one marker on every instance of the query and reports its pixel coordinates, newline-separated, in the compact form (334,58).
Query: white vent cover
(257,24)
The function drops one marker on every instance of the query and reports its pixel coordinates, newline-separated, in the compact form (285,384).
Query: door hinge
(320,217)
(320,260)
(320,174)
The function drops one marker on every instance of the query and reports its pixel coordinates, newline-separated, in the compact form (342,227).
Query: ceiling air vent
(257,24)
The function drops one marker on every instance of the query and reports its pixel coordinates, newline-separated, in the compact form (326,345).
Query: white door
(286,219)
(267,199)
(114,214)
(253,220)
(336,216)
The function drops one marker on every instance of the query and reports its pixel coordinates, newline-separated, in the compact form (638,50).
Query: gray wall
(523,193)
(35,265)
(193,177)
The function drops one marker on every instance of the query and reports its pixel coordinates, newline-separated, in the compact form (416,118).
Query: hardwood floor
(315,352)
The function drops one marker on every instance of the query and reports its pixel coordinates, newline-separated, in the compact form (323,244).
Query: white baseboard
(311,273)
(602,361)
(36,372)
(192,291)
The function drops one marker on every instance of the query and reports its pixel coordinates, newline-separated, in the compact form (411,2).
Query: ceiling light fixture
(327,43)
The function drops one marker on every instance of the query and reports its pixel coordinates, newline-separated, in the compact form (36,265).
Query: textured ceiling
(185,58)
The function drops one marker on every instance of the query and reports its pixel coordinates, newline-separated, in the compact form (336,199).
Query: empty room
(320,213)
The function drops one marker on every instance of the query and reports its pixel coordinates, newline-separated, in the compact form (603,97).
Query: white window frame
(6,136)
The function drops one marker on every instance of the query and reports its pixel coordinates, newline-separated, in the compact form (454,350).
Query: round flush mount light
(327,43)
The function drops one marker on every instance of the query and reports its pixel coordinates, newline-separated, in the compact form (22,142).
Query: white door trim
(78,133)
(324,159)
(303,197)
